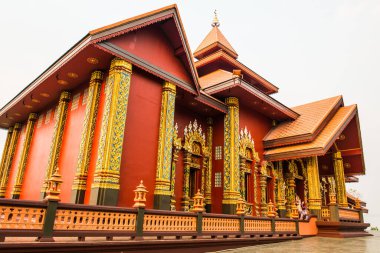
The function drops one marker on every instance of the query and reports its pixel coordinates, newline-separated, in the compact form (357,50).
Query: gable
(152,46)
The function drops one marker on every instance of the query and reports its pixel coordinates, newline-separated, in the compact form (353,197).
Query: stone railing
(20,218)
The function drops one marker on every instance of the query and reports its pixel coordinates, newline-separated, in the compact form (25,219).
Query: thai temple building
(130,102)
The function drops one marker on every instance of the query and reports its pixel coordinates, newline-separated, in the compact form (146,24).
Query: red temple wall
(217,165)
(256,123)
(15,162)
(160,53)
(72,134)
(182,117)
(139,156)
(36,166)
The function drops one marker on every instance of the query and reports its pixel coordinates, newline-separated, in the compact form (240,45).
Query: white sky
(310,49)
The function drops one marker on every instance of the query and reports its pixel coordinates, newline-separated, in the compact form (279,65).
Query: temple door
(248,172)
(196,162)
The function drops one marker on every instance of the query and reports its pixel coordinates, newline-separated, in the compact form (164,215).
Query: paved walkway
(368,244)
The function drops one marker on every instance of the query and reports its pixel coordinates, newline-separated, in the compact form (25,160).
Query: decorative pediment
(195,139)
(247,145)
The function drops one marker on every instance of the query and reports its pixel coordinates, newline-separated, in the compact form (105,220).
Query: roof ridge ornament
(215,21)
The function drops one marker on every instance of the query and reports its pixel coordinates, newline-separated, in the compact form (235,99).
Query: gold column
(24,157)
(255,190)
(55,148)
(186,181)
(231,191)
(80,179)
(105,188)
(263,203)
(5,151)
(314,186)
(242,177)
(281,191)
(177,145)
(290,200)
(339,179)
(209,141)
(162,191)
(9,159)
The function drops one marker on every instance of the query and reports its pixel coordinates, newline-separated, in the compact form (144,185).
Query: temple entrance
(196,159)
(248,174)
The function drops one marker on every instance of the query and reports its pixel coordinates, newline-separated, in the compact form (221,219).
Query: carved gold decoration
(91,113)
(281,186)
(194,146)
(140,196)
(339,179)
(55,148)
(290,191)
(113,122)
(165,141)
(248,156)
(209,141)
(24,155)
(9,159)
(231,152)
(177,145)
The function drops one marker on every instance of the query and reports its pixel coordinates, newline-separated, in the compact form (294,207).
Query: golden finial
(215,21)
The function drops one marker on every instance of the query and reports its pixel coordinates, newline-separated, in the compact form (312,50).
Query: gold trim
(25,153)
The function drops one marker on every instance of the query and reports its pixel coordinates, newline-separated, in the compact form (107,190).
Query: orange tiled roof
(237,65)
(321,144)
(312,115)
(213,38)
(215,77)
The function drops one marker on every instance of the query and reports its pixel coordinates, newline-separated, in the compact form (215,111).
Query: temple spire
(215,21)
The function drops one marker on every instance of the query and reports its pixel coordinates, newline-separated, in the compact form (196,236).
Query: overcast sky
(310,49)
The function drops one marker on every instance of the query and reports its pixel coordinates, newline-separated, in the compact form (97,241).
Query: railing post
(297,227)
(334,212)
(242,224)
(140,223)
(273,225)
(52,199)
(140,199)
(199,223)
(240,210)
